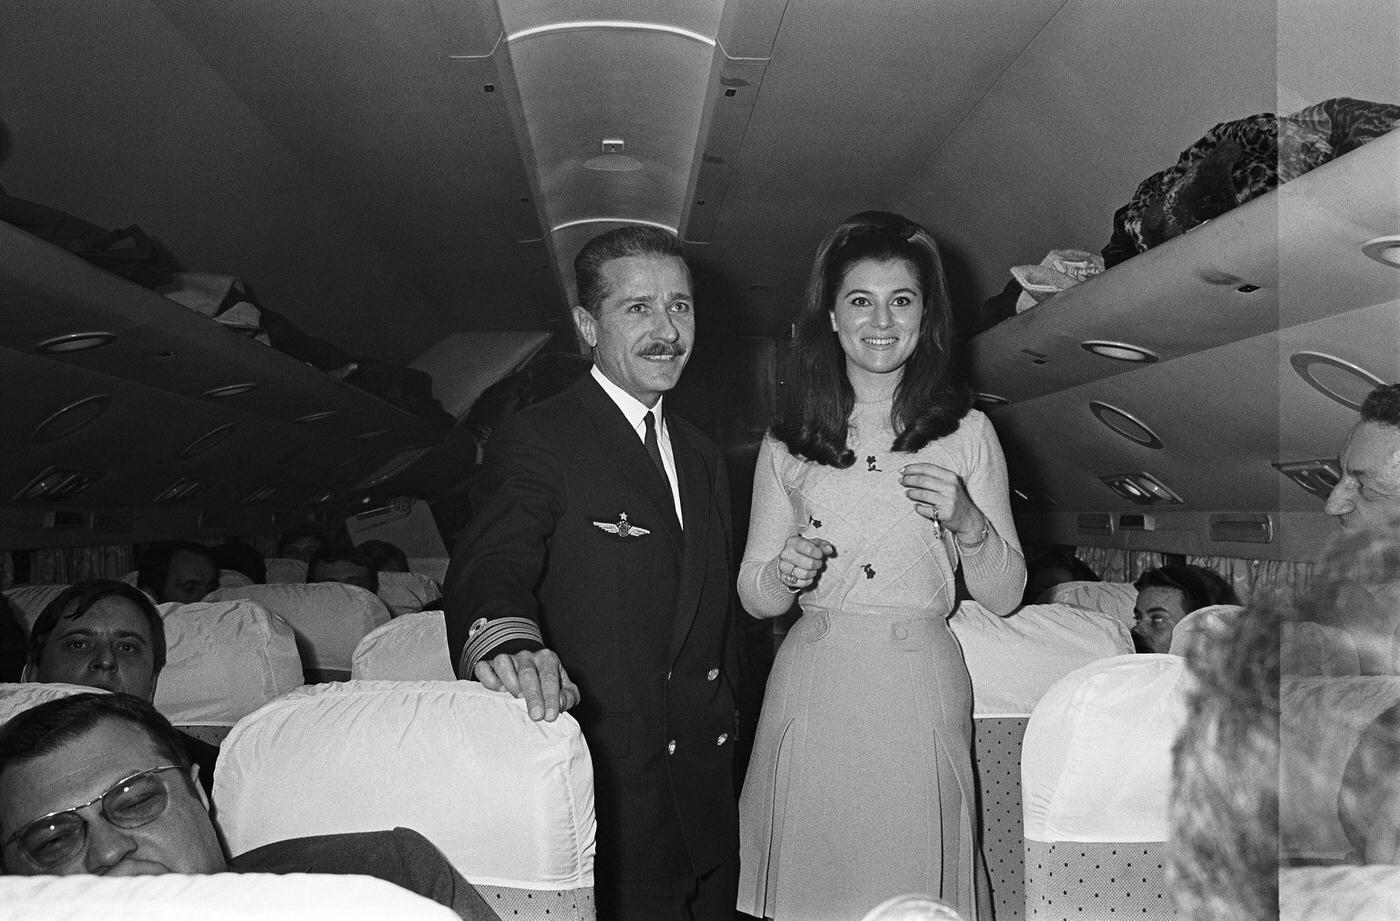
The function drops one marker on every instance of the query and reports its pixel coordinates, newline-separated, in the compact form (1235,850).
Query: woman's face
(878,310)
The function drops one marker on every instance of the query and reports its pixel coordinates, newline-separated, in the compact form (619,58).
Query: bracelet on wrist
(981,538)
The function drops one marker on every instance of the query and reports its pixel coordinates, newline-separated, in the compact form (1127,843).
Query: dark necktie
(654,447)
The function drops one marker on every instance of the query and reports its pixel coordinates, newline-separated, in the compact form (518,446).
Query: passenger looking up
(99,783)
(177,571)
(1166,595)
(240,556)
(1368,494)
(600,542)
(384,556)
(106,634)
(1046,570)
(341,562)
(301,542)
(876,483)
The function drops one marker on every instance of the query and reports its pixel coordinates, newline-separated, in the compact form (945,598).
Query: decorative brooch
(623,528)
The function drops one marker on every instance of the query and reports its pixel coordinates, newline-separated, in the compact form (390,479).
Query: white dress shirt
(636,412)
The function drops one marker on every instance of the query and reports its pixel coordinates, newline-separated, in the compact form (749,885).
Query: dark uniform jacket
(639,620)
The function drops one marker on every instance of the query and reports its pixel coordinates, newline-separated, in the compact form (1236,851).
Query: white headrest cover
(1013,660)
(224,659)
(329,618)
(216,897)
(232,578)
(1202,626)
(1096,759)
(284,569)
(406,592)
(1320,722)
(16,698)
(1317,650)
(30,601)
(408,648)
(1370,893)
(1116,598)
(508,800)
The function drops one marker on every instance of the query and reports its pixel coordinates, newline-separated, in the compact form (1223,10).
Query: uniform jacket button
(671,747)
(723,737)
(712,674)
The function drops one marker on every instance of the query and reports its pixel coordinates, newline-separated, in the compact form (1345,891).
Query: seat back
(16,698)
(408,648)
(1116,598)
(329,619)
(30,601)
(282,570)
(1096,780)
(508,800)
(1201,627)
(224,659)
(1317,650)
(1013,661)
(407,592)
(1369,893)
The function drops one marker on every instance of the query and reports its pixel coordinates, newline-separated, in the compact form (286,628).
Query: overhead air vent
(1136,521)
(1099,524)
(1141,489)
(113,521)
(1242,527)
(65,520)
(183,488)
(56,484)
(1318,477)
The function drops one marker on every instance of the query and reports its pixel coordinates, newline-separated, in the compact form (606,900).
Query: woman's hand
(939,496)
(802,561)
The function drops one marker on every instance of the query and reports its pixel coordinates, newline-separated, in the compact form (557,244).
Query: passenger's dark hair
(632,240)
(384,556)
(241,557)
(154,566)
(1382,405)
(1079,570)
(1199,587)
(76,600)
(343,552)
(297,532)
(48,727)
(815,403)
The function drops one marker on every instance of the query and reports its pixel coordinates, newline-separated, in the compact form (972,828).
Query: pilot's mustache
(664,350)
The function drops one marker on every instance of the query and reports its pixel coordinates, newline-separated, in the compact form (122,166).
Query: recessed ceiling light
(990,399)
(232,390)
(317,417)
(1335,378)
(1125,423)
(1119,351)
(75,342)
(612,163)
(377,433)
(69,419)
(208,441)
(1385,250)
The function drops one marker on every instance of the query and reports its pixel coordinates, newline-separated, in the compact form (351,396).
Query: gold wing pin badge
(623,527)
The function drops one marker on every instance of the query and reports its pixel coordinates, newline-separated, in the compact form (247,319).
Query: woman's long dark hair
(815,403)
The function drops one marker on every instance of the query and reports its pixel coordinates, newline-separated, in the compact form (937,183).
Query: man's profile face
(110,646)
(179,840)
(1155,615)
(192,576)
(645,326)
(347,571)
(1368,495)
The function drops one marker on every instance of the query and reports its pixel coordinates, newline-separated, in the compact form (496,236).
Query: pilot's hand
(802,560)
(938,495)
(539,677)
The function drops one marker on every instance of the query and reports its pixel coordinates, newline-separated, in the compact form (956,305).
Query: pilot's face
(109,647)
(180,839)
(1368,495)
(1155,615)
(191,577)
(645,326)
(878,310)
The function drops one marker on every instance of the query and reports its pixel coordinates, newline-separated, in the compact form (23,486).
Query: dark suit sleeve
(498,562)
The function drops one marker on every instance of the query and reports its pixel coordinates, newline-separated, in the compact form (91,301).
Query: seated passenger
(1166,595)
(98,783)
(1369,804)
(301,542)
(240,556)
(106,634)
(341,562)
(1046,570)
(177,571)
(384,556)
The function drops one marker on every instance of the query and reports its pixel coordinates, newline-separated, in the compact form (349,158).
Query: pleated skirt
(860,785)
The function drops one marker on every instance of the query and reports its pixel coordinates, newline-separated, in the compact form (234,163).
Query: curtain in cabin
(1251,578)
(7,570)
(66,565)
(1117,565)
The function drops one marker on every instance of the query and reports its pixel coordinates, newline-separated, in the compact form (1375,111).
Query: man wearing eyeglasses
(100,784)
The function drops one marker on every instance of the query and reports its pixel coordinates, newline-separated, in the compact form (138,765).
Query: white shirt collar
(634,409)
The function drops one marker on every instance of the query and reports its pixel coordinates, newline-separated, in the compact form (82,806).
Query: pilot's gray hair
(632,240)
(1382,405)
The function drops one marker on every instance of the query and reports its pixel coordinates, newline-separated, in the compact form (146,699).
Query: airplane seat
(215,897)
(1116,598)
(1321,720)
(224,659)
(407,592)
(1096,780)
(1366,893)
(1200,626)
(508,800)
(1013,661)
(232,578)
(434,567)
(412,647)
(284,569)
(16,698)
(132,577)
(329,619)
(1318,650)
(30,601)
